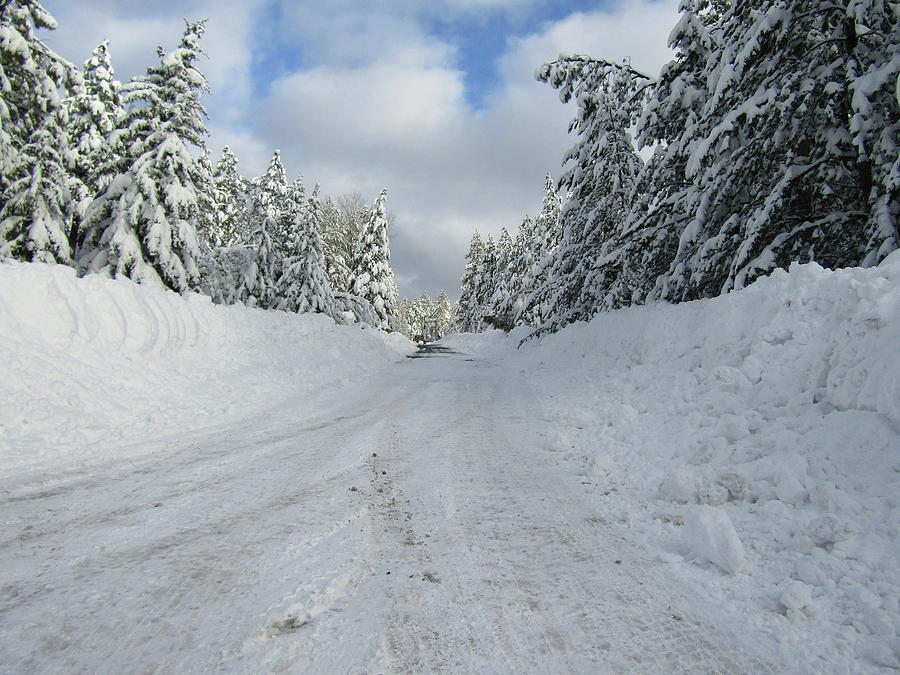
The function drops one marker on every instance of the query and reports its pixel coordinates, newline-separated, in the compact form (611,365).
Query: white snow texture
(89,364)
(618,496)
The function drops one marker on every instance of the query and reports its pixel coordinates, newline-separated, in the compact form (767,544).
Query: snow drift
(775,409)
(91,363)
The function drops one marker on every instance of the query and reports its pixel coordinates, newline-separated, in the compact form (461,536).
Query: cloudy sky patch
(435,100)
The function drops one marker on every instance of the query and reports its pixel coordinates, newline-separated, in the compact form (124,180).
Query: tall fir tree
(793,156)
(444,315)
(520,270)
(266,214)
(143,225)
(371,276)
(604,168)
(229,191)
(34,194)
(468,310)
(541,239)
(343,219)
(502,300)
(485,313)
(94,109)
(304,286)
(207,208)
(34,217)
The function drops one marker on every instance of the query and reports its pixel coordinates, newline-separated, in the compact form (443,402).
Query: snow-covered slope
(757,430)
(90,366)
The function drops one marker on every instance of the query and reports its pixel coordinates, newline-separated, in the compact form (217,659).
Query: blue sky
(434,100)
(481,39)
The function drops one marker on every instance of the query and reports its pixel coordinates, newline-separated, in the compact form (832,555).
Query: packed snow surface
(91,367)
(709,487)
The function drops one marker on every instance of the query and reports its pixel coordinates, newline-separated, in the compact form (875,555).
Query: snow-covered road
(414,523)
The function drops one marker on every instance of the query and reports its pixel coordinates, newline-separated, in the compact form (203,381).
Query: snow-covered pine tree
(519,272)
(295,201)
(304,286)
(229,194)
(794,152)
(343,219)
(261,276)
(502,300)
(604,168)
(94,109)
(143,225)
(668,123)
(542,239)
(467,314)
(485,314)
(371,276)
(34,217)
(443,314)
(269,197)
(267,210)
(394,299)
(207,209)
(228,274)
(404,310)
(34,195)
(547,223)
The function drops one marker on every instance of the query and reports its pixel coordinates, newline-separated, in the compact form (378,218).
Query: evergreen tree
(229,191)
(371,276)
(267,211)
(520,270)
(604,168)
(485,313)
(343,219)
(793,156)
(660,205)
(33,218)
(303,286)
(547,223)
(444,315)
(94,109)
(269,199)
(260,277)
(143,225)
(542,239)
(467,314)
(294,202)
(502,300)
(207,208)
(34,195)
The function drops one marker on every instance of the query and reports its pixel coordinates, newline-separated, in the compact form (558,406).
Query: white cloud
(134,33)
(633,30)
(376,101)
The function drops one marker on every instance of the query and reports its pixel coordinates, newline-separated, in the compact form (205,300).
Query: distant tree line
(426,317)
(774,139)
(115,179)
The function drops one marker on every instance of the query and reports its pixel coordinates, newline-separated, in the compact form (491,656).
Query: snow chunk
(795,596)
(678,486)
(789,489)
(710,535)
(827,530)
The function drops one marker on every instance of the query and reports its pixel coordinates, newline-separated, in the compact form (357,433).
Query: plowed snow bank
(778,405)
(89,364)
